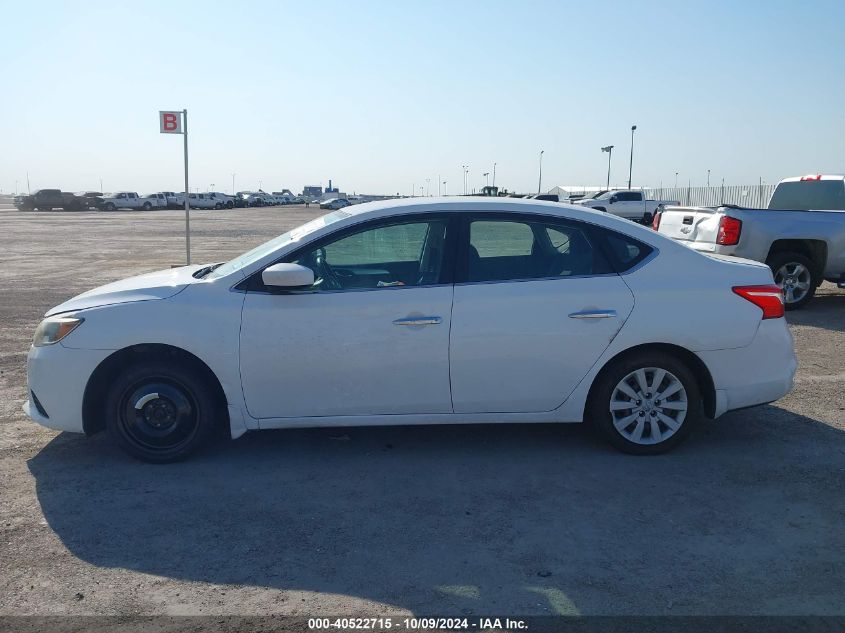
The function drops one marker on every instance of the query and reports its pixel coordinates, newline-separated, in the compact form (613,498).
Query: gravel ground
(745,518)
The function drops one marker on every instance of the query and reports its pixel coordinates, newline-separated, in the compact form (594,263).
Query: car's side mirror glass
(289,276)
(613,199)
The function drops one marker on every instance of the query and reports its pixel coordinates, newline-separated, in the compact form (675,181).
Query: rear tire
(160,411)
(646,404)
(109,206)
(793,272)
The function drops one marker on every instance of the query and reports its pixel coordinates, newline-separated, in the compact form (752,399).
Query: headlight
(54,329)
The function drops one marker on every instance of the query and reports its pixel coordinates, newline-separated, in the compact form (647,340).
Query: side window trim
(254,282)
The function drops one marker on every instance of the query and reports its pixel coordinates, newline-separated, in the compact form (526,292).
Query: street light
(486,179)
(631,164)
(464,167)
(494,174)
(708,177)
(609,150)
(445,189)
(233,184)
(428,187)
(540,181)
(676,180)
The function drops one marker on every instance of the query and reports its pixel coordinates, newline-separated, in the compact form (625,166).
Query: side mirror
(288,276)
(613,199)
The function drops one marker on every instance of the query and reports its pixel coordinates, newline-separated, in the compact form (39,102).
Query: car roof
(811,177)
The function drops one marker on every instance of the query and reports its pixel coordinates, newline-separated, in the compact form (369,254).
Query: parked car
(548,197)
(803,247)
(420,311)
(49,199)
(626,203)
(125,200)
(158,200)
(90,199)
(221,200)
(334,203)
(174,200)
(200,201)
(283,197)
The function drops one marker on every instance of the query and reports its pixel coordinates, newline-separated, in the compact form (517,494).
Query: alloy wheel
(648,406)
(795,279)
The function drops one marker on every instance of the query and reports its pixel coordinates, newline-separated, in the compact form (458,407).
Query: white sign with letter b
(170,122)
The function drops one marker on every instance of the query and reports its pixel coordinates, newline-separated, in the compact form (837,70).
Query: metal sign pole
(187,191)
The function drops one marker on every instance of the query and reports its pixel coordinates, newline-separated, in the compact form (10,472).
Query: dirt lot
(747,517)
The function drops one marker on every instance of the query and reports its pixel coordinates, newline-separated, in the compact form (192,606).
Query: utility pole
(494,174)
(708,177)
(445,189)
(464,167)
(676,180)
(609,150)
(631,164)
(540,181)
(233,184)
(438,185)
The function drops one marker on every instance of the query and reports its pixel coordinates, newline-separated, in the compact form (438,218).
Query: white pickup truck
(801,235)
(125,200)
(626,203)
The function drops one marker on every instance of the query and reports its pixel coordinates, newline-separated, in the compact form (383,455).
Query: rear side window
(809,194)
(625,252)
(505,250)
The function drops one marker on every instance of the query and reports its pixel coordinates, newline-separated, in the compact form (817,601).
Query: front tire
(793,273)
(160,411)
(646,404)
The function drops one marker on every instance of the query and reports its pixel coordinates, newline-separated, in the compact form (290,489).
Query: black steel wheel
(160,412)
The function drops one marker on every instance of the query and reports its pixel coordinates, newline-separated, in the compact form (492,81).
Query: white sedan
(436,311)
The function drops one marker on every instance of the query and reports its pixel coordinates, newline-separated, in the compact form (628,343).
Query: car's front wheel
(646,403)
(160,411)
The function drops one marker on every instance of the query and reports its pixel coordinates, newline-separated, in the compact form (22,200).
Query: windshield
(603,196)
(266,248)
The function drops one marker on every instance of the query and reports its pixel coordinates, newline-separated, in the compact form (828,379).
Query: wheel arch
(813,249)
(702,374)
(93,420)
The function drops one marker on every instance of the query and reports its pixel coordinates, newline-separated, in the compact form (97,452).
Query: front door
(535,306)
(370,337)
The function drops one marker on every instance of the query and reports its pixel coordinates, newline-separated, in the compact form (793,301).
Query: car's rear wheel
(793,273)
(646,403)
(160,411)
(109,206)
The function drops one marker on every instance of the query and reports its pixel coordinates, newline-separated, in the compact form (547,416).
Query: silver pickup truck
(801,235)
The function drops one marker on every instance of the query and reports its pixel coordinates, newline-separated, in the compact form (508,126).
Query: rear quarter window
(625,252)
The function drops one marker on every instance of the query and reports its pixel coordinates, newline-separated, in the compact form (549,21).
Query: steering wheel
(328,278)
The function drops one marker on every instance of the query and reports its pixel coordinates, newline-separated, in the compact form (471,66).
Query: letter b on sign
(170,122)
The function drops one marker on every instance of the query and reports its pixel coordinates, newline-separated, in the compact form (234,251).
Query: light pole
(438,185)
(676,180)
(486,179)
(609,150)
(421,190)
(540,181)
(708,177)
(445,189)
(259,184)
(211,187)
(233,184)
(631,164)
(494,174)
(101,184)
(464,167)
(428,187)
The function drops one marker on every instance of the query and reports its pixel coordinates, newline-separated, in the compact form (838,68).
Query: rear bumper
(762,372)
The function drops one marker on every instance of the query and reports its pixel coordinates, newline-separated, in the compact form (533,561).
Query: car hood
(157,285)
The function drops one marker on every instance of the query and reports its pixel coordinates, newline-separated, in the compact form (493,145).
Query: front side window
(407,254)
(504,250)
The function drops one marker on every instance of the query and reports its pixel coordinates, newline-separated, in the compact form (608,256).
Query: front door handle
(422,320)
(593,314)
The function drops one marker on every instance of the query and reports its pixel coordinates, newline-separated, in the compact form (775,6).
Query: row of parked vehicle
(49,199)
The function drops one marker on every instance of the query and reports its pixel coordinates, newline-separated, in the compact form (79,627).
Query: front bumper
(58,375)
(759,373)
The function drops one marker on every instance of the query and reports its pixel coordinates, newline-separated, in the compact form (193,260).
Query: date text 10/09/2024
(417,624)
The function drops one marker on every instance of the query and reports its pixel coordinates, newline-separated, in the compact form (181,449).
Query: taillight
(729,230)
(768,298)
(655,221)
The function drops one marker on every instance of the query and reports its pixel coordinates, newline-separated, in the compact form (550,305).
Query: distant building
(312,191)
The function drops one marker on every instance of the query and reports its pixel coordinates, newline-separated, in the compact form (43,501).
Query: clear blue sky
(381,95)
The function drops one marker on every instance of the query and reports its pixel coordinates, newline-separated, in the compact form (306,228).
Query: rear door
(537,303)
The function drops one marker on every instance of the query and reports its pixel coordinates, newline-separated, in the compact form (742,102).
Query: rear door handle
(423,320)
(593,314)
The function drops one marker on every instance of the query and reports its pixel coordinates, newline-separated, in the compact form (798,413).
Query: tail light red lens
(729,231)
(655,221)
(768,298)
